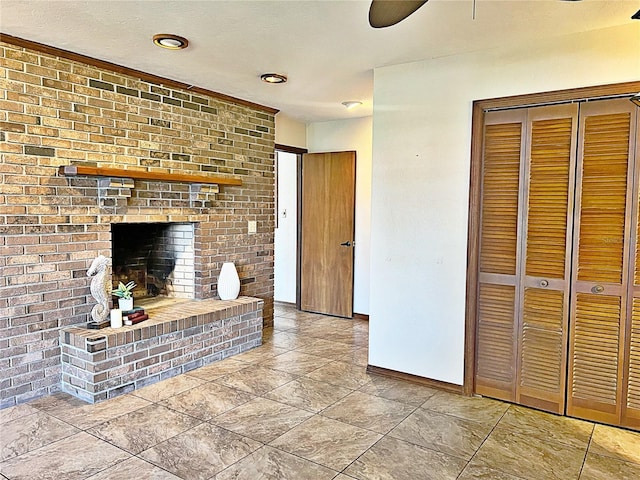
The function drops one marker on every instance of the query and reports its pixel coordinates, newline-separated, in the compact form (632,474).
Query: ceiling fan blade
(384,13)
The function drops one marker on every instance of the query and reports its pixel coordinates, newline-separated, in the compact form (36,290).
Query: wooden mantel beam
(76,170)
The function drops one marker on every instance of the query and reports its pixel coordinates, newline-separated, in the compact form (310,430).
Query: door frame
(298,152)
(475,190)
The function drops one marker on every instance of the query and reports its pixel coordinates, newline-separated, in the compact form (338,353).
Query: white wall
(342,135)
(290,132)
(421,161)
(286,232)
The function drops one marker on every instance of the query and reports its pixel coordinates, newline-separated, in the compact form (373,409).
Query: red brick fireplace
(56,111)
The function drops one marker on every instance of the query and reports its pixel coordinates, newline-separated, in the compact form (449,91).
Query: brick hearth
(55,111)
(97,365)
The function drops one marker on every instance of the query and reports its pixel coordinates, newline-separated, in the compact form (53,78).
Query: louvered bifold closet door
(631,389)
(496,328)
(604,204)
(526,215)
(544,296)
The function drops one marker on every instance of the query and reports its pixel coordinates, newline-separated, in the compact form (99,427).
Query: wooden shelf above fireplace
(78,170)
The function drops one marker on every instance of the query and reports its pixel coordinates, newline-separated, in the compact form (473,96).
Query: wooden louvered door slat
(543,328)
(600,271)
(631,384)
(499,252)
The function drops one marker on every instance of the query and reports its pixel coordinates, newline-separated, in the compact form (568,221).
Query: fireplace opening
(158,257)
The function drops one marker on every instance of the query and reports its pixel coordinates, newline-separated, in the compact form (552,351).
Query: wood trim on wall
(428,382)
(149,77)
(475,190)
(291,149)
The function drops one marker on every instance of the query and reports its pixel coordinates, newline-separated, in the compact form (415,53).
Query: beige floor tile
(134,468)
(256,380)
(23,434)
(11,413)
(272,464)
(477,471)
(600,467)
(73,458)
(262,419)
(393,459)
(530,458)
(616,442)
(261,353)
(207,401)
(85,415)
(168,388)
(308,394)
(295,362)
(327,442)
(218,369)
(398,390)
(284,323)
(289,340)
(201,452)
(358,356)
(144,428)
(444,433)
(315,330)
(483,410)
(341,374)
(546,426)
(354,338)
(368,411)
(325,348)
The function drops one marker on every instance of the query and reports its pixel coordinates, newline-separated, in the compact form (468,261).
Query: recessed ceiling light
(273,78)
(352,104)
(170,41)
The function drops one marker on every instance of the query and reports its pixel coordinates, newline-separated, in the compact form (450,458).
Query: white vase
(228,282)
(125,303)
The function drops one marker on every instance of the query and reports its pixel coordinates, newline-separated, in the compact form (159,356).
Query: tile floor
(303,407)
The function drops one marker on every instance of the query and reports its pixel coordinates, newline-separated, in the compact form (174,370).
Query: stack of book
(131,317)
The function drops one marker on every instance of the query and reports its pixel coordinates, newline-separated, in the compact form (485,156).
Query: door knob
(544,283)
(598,289)
(345,244)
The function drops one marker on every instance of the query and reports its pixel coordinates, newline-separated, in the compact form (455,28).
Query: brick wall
(55,111)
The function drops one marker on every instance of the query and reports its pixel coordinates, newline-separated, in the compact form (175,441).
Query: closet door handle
(598,289)
(544,283)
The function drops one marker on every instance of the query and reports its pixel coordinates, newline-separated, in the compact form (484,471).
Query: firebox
(158,257)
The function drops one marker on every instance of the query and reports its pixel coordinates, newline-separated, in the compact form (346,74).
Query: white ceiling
(326,48)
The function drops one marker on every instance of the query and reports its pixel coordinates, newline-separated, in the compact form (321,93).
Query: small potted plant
(124,294)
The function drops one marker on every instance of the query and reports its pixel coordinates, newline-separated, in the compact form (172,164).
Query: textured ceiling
(326,48)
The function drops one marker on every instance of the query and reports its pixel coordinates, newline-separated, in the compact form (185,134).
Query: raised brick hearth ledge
(101,364)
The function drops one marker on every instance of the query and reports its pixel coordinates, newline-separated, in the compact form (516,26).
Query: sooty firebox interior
(144,253)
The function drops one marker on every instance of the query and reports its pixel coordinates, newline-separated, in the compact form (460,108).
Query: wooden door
(631,389)
(545,284)
(525,259)
(328,228)
(601,273)
(499,253)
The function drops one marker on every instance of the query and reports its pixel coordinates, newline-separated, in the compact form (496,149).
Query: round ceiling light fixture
(352,104)
(170,41)
(273,78)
